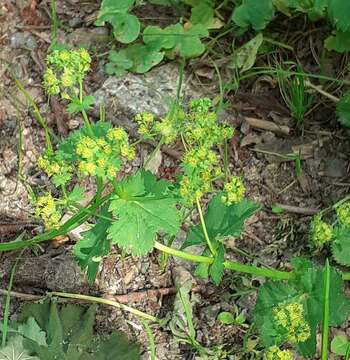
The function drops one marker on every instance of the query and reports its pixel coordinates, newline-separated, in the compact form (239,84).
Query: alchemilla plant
(138,212)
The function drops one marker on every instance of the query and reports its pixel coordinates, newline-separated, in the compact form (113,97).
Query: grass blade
(325,322)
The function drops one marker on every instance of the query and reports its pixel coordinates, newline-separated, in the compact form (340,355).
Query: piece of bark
(267,125)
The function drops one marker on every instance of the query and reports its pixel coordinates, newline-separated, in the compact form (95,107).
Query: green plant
(292,89)
(48,331)
(140,213)
(341,346)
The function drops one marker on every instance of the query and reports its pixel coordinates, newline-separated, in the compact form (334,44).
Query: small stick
(267,125)
(321,91)
(298,210)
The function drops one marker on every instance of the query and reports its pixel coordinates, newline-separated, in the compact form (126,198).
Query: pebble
(23,39)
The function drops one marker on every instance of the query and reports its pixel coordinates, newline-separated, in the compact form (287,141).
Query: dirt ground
(268,237)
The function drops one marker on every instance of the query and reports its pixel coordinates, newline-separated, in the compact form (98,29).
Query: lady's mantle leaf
(14,350)
(255,13)
(343,109)
(222,220)
(126,27)
(341,245)
(339,42)
(94,245)
(307,290)
(339,12)
(142,208)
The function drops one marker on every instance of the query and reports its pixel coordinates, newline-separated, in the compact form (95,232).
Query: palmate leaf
(343,109)
(142,208)
(221,220)
(339,42)
(70,335)
(306,289)
(126,27)
(14,350)
(339,13)
(253,13)
(94,245)
(341,245)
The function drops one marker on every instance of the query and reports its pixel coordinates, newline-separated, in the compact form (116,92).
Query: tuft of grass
(293,91)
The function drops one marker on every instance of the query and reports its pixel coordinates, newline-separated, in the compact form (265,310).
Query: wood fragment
(267,125)
(297,210)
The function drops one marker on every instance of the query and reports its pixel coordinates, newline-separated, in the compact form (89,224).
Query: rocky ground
(270,179)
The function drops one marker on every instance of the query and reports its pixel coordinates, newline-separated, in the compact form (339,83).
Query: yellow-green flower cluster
(59,170)
(275,353)
(46,210)
(200,168)
(321,232)
(145,121)
(234,191)
(291,318)
(343,212)
(167,129)
(65,70)
(100,157)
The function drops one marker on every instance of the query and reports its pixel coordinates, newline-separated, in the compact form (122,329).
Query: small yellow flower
(321,232)
(291,318)
(234,191)
(275,353)
(343,212)
(67,78)
(117,134)
(46,210)
(87,168)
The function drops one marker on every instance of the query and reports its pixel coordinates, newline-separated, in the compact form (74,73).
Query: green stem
(204,228)
(36,111)
(325,322)
(153,153)
(231,265)
(83,112)
(103,301)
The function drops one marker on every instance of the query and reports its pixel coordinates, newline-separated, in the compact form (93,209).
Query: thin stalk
(154,152)
(278,43)
(7,303)
(204,228)
(103,301)
(83,112)
(150,336)
(36,111)
(325,322)
(55,22)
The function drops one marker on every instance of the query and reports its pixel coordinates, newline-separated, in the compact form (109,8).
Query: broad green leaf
(244,57)
(31,330)
(126,27)
(94,245)
(221,220)
(140,214)
(70,335)
(14,350)
(255,13)
(339,42)
(202,14)
(156,38)
(341,245)
(339,13)
(306,289)
(75,106)
(226,318)
(77,194)
(187,42)
(340,345)
(143,57)
(343,109)
(216,269)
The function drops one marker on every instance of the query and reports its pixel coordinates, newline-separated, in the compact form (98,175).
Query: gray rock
(135,93)
(334,167)
(23,39)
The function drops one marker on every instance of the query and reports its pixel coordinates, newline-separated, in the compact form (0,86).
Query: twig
(297,210)
(321,91)
(267,125)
